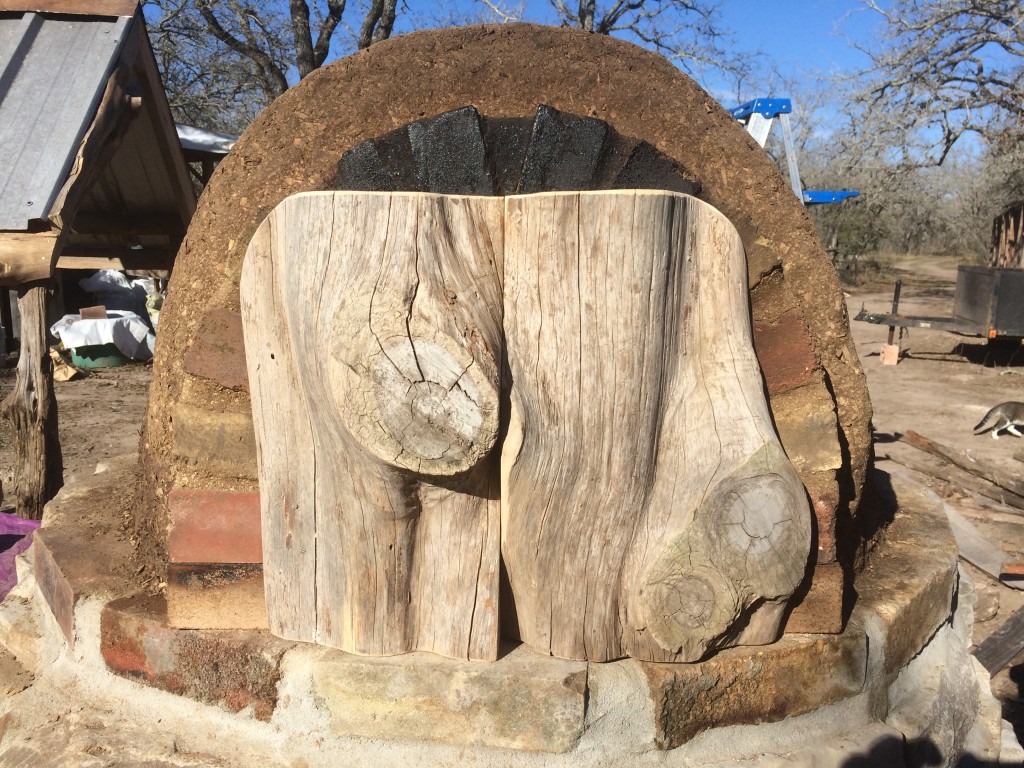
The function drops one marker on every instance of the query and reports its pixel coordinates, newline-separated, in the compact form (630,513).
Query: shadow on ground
(894,752)
(992,354)
(1013,701)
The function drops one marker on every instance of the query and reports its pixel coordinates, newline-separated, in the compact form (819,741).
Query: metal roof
(53,71)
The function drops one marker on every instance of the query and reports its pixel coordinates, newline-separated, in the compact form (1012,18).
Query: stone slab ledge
(525,701)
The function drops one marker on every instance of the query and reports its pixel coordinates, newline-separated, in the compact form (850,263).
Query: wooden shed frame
(130,134)
(1008,238)
(94,150)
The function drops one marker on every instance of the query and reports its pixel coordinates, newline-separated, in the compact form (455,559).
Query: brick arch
(817,390)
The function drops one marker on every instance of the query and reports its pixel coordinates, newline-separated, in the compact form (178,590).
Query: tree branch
(272,77)
(378,23)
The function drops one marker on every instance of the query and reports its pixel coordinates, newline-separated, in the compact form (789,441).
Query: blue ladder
(757,117)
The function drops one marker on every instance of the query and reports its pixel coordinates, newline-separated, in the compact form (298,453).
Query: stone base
(898,681)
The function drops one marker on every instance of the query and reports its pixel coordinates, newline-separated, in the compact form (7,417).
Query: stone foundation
(896,687)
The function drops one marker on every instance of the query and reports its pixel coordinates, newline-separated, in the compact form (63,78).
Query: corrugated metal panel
(52,75)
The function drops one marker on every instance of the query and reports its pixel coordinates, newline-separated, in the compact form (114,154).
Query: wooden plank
(372,331)
(96,149)
(154,104)
(647,505)
(119,117)
(102,258)
(135,223)
(965,461)
(284,436)
(26,257)
(1003,645)
(963,480)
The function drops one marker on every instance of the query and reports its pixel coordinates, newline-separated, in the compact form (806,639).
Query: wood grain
(648,508)
(373,326)
(964,461)
(26,257)
(1003,645)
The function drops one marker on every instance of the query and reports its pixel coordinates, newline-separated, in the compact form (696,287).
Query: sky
(803,36)
(796,38)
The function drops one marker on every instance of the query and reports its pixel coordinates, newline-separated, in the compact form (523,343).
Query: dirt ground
(100,417)
(941,388)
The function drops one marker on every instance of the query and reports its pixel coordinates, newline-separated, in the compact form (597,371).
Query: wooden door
(373,327)
(644,504)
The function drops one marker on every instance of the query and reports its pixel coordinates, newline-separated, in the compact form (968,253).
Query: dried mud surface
(100,418)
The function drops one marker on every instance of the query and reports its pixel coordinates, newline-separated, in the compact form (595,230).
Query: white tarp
(125,330)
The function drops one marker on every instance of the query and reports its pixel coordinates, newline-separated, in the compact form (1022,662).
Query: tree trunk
(373,327)
(648,508)
(32,409)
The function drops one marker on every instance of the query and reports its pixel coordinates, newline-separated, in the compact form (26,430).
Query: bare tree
(207,83)
(224,60)
(945,68)
(688,32)
(941,69)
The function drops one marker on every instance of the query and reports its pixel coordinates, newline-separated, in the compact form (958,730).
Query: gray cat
(1006,416)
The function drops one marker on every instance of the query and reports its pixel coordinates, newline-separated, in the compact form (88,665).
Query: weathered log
(963,460)
(505,72)
(26,257)
(963,480)
(32,409)
(648,508)
(373,328)
(1003,645)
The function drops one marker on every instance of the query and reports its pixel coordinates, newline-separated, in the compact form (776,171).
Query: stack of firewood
(1008,238)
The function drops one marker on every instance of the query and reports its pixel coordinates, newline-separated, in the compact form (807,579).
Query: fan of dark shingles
(462,153)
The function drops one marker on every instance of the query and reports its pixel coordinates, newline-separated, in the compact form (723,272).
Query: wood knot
(427,407)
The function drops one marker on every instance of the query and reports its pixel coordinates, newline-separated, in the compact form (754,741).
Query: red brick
(825,501)
(785,351)
(214,527)
(218,351)
(820,610)
(232,669)
(54,586)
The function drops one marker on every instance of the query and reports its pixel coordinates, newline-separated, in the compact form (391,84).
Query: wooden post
(891,352)
(32,409)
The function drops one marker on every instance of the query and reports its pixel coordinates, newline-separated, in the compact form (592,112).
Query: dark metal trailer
(989,302)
